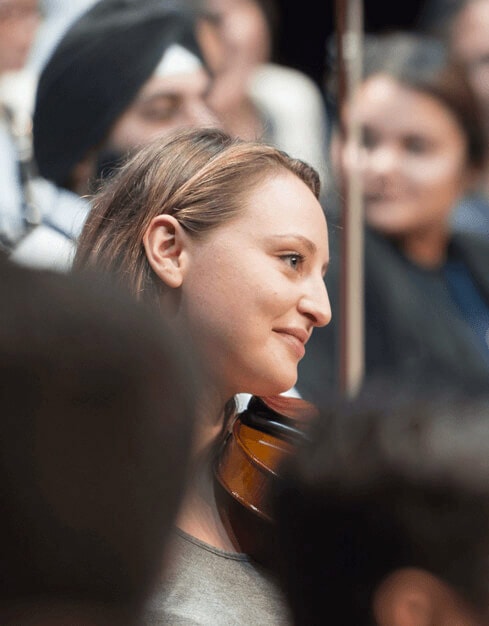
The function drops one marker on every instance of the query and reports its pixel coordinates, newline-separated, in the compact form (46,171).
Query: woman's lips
(295,341)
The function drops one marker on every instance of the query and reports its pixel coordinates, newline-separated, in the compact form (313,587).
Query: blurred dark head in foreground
(97,401)
(383,517)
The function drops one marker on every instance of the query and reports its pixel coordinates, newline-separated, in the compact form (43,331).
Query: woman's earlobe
(163,242)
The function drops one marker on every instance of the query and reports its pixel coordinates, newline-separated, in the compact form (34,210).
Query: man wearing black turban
(126,71)
(122,73)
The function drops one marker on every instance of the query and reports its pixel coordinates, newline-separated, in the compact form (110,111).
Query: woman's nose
(316,304)
(199,113)
(382,160)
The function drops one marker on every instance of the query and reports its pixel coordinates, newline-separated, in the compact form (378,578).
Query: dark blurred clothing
(416,328)
(39,222)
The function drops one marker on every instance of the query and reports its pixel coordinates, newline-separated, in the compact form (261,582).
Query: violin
(261,436)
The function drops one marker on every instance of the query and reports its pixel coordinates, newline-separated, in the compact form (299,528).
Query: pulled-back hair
(200,176)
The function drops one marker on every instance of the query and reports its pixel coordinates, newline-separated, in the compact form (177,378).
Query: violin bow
(349,43)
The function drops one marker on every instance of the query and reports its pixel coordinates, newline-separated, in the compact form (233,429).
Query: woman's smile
(295,339)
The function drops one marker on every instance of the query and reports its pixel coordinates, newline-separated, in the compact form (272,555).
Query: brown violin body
(249,463)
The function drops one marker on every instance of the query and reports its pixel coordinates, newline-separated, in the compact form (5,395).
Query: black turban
(96,71)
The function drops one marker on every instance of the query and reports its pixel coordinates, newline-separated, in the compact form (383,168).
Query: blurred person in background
(19,21)
(426,301)
(464,26)
(382,516)
(98,398)
(27,202)
(58,15)
(255,97)
(122,73)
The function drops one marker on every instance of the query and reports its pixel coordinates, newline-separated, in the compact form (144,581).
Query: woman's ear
(164,242)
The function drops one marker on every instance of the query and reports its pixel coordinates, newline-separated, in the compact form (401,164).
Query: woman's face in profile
(412,159)
(253,288)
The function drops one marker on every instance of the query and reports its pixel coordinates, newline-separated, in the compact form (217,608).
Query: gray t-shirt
(210,587)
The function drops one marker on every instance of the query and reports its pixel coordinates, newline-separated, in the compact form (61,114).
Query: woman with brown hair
(421,148)
(231,237)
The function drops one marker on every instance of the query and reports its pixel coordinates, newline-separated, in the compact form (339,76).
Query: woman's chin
(277,386)
(388,223)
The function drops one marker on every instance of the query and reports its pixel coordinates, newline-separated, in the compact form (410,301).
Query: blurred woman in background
(426,288)
(254,96)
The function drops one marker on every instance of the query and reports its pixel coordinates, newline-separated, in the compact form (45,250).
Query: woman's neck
(427,248)
(199,513)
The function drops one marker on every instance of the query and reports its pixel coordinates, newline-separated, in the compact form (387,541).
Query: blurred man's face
(19,20)
(175,96)
(163,104)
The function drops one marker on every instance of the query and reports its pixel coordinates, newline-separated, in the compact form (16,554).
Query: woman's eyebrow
(311,246)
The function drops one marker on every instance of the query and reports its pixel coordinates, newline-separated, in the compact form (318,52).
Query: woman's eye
(417,145)
(158,114)
(294,260)
(159,109)
(369,138)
